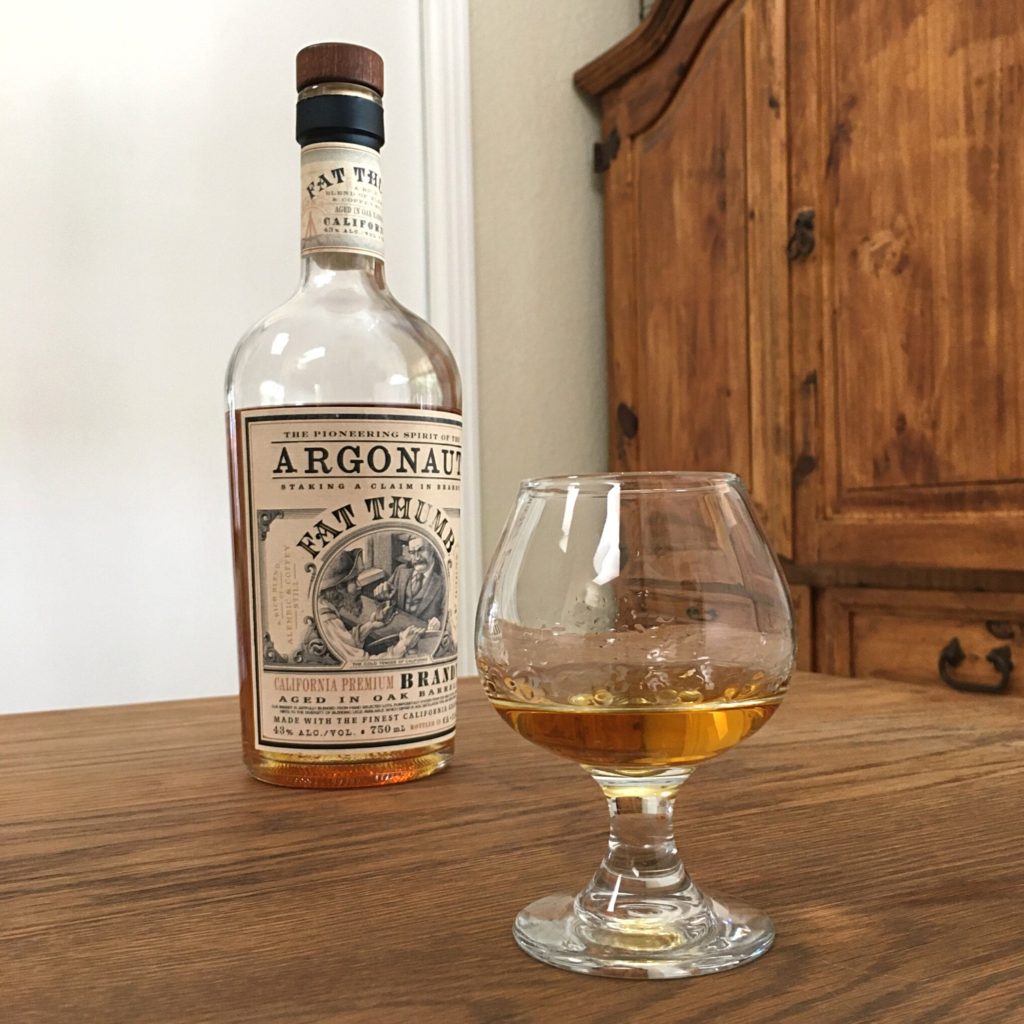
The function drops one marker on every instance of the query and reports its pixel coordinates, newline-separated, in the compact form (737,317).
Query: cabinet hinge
(605,152)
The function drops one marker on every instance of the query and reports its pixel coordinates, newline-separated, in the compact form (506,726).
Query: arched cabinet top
(653,60)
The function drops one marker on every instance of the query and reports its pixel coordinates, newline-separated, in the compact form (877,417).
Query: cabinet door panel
(914,164)
(691,215)
(695,222)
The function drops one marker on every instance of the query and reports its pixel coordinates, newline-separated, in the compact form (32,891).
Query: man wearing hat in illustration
(343,617)
(417,584)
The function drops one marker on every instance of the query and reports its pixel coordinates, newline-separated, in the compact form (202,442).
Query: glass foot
(680,937)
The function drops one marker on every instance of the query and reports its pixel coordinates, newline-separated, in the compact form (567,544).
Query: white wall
(539,267)
(149,178)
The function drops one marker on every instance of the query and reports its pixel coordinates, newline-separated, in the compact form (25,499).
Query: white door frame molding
(451,288)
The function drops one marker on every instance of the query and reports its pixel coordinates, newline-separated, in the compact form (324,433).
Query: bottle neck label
(342,209)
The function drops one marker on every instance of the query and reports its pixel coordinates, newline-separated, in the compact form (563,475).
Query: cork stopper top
(339,62)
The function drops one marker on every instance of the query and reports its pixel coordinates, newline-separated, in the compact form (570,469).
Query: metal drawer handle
(952,656)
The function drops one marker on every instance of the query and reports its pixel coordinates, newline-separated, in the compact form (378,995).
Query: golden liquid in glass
(639,737)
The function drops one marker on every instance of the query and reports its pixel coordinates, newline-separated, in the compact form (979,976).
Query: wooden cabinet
(815,278)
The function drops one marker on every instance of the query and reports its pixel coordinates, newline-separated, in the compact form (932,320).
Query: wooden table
(144,877)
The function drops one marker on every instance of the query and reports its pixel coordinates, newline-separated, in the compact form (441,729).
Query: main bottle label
(342,209)
(352,519)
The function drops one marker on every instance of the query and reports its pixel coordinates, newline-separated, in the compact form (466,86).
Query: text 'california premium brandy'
(345,429)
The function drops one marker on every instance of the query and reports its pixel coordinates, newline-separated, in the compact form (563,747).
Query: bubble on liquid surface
(659,666)
(655,679)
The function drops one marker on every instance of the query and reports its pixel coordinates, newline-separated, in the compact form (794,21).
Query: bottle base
(302,774)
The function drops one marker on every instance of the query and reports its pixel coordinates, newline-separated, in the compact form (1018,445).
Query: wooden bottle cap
(339,62)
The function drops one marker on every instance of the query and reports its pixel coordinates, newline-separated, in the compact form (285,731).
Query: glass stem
(642,868)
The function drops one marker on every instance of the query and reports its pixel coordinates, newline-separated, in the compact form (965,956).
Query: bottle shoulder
(331,347)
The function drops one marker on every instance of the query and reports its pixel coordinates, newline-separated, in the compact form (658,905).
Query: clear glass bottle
(344,429)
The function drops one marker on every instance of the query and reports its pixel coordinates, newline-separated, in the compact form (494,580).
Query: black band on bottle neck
(339,119)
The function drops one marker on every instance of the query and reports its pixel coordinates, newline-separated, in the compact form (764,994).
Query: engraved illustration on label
(354,520)
(342,208)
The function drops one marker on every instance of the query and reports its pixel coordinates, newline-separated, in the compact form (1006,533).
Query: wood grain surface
(144,877)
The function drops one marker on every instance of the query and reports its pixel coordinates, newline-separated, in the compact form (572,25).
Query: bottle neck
(331,269)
